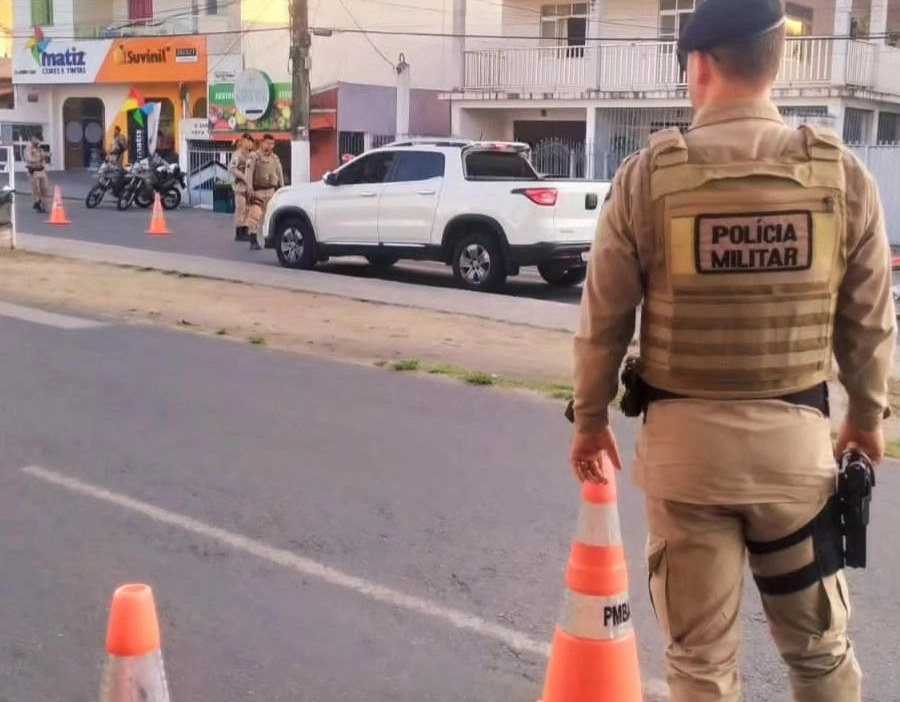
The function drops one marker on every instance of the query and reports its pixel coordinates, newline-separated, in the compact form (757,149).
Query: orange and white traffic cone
(158,220)
(58,213)
(594,653)
(134,667)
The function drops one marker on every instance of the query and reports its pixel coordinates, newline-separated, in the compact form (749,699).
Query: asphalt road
(202,232)
(227,475)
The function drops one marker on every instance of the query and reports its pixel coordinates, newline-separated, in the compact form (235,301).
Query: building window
(212,7)
(565,25)
(140,9)
(888,128)
(42,13)
(673,17)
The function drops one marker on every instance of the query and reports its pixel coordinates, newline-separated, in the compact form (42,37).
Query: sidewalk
(501,308)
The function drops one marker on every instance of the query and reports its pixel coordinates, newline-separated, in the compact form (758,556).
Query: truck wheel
(562,277)
(478,262)
(295,244)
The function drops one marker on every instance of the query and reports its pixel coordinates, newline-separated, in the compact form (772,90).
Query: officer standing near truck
(36,164)
(757,250)
(264,176)
(238,169)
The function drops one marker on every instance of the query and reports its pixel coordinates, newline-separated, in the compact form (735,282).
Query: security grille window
(565,25)
(140,9)
(42,13)
(888,128)
(855,125)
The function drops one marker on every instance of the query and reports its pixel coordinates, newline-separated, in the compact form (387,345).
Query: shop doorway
(83,120)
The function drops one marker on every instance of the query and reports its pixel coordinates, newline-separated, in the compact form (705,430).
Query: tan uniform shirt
(773,448)
(34,157)
(238,168)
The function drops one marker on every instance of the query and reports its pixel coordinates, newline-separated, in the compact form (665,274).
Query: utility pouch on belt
(855,480)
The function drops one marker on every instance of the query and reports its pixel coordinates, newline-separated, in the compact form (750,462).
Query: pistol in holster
(636,396)
(634,399)
(855,481)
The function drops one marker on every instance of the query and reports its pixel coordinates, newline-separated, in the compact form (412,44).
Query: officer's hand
(588,451)
(870,443)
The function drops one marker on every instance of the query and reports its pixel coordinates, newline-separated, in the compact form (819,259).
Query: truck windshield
(498,165)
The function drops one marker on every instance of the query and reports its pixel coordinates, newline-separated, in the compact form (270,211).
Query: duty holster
(838,532)
(855,481)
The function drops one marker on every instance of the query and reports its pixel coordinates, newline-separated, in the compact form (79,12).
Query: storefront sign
(156,60)
(195,129)
(226,120)
(41,60)
(252,94)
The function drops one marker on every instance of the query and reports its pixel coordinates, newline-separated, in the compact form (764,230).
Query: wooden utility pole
(300,45)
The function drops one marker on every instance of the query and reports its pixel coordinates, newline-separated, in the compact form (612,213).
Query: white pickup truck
(479,207)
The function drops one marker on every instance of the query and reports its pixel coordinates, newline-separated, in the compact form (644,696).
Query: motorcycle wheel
(125,200)
(171,198)
(94,196)
(143,198)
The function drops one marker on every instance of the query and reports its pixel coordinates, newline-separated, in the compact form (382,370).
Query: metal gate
(207,166)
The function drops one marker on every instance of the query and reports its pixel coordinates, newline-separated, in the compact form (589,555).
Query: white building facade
(587,82)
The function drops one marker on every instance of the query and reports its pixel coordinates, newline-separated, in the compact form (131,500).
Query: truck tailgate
(578,208)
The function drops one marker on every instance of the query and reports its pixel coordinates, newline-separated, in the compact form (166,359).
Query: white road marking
(50,319)
(373,591)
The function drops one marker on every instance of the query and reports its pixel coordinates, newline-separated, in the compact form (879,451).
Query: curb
(505,309)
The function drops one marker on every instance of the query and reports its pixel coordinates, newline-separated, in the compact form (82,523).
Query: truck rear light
(546,197)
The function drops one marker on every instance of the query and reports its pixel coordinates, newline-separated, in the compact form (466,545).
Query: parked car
(479,207)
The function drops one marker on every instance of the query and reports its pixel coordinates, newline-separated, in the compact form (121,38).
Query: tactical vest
(265,173)
(748,258)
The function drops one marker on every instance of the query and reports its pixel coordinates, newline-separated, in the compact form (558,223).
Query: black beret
(721,22)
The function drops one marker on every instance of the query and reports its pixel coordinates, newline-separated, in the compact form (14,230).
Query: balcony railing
(652,66)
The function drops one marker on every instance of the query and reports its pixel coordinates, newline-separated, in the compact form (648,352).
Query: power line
(368,38)
(325,31)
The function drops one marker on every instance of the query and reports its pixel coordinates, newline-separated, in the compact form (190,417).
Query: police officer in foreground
(264,176)
(757,251)
(240,159)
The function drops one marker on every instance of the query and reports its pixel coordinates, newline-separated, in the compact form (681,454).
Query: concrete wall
(373,109)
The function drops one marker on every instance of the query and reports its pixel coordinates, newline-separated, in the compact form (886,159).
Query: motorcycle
(110,178)
(150,176)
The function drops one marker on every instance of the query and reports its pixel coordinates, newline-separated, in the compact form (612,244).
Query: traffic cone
(594,653)
(134,666)
(58,213)
(158,220)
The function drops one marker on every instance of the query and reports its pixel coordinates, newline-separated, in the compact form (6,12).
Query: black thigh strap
(828,559)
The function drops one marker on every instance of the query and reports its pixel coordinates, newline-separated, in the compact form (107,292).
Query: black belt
(815,397)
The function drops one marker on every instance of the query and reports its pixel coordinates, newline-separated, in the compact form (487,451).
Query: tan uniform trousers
(240,207)
(695,556)
(256,209)
(40,187)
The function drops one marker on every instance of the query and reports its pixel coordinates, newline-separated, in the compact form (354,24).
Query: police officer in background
(118,147)
(36,164)
(238,168)
(758,251)
(264,176)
